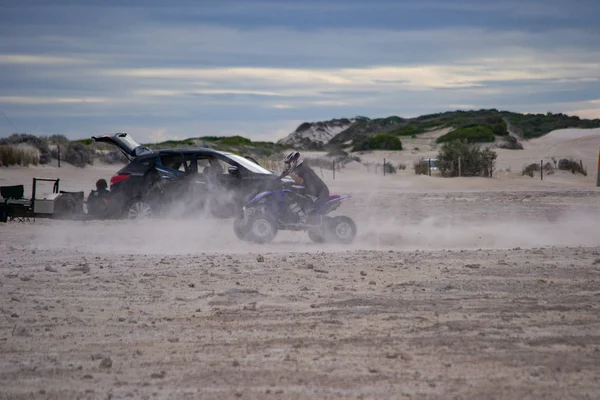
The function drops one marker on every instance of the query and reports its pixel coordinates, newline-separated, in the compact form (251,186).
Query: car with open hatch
(182,181)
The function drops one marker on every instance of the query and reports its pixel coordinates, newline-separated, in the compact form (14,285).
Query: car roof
(190,150)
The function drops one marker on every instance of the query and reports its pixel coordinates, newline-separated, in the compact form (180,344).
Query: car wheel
(139,210)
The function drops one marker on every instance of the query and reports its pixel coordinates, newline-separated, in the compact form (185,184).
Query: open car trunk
(125,143)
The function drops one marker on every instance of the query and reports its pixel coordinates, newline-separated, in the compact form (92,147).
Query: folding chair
(16,207)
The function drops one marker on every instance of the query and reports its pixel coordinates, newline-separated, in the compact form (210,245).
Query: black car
(182,181)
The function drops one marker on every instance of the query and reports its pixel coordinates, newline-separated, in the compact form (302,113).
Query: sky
(187,68)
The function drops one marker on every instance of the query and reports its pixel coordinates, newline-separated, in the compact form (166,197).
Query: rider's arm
(297,179)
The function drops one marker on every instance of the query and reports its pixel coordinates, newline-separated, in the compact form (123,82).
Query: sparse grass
(530,169)
(337,153)
(322,163)
(111,157)
(15,155)
(39,143)
(421,167)
(389,168)
(270,164)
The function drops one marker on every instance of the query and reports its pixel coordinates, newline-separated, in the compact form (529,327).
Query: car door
(197,189)
(171,170)
(251,178)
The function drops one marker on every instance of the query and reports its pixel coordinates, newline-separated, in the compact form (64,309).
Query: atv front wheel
(260,228)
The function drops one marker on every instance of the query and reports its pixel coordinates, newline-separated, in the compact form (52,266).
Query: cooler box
(45,205)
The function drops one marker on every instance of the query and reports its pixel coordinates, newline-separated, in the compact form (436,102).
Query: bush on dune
(472,134)
(379,142)
(474,161)
(572,165)
(79,154)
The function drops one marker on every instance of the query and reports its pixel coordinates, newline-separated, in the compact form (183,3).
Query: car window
(201,163)
(190,163)
(140,165)
(253,167)
(174,161)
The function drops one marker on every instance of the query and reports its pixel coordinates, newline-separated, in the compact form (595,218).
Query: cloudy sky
(180,68)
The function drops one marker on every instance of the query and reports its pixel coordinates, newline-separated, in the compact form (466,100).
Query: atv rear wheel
(341,229)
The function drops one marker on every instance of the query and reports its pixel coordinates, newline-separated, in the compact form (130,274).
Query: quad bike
(270,211)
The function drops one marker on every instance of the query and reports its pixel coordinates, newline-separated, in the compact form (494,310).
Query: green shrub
(474,161)
(58,139)
(235,141)
(536,125)
(85,142)
(383,141)
(572,165)
(472,134)
(79,154)
(408,130)
(228,140)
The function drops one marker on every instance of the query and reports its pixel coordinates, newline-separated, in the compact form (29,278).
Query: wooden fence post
(384,167)
(598,176)
(334,170)
(459,167)
(541,170)
(58,148)
(429,166)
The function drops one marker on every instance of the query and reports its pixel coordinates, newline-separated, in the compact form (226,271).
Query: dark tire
(238,229)
(260,228)
(316,236)
(340,229)
(139,209)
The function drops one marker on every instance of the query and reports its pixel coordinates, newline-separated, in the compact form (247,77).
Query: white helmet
(293,160)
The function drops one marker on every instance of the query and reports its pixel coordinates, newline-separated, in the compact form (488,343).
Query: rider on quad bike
(314,186)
